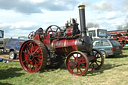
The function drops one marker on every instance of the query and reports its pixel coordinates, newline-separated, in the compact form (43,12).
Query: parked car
(13,46)
(107,46)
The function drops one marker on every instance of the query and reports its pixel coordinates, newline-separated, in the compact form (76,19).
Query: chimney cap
(81,6)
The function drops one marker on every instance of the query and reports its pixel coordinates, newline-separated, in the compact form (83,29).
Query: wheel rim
(77,63)
(53,29)
(11,55)
(97,63)
(31,56)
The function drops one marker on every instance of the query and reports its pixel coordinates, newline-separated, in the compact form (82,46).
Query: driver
(39,31)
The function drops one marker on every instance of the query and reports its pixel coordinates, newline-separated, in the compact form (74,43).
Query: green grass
(113,72)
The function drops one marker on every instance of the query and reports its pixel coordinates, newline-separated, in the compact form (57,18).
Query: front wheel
(77,63)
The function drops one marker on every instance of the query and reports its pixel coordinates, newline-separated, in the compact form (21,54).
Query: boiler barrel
(67,46)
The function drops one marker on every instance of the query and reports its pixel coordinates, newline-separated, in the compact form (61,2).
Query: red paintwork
(29,63)
(69,31)
(37,37)
(46,40)
(64,46)
(117,32)
(20,43)
(77,63)
(123,39)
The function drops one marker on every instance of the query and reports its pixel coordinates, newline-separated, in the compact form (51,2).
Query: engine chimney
(82,20)
(86,39)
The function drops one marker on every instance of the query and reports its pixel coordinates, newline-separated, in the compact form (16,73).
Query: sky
(20,17)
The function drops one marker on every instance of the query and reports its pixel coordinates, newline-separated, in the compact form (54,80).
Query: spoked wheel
(33,56)
(77,63)
(98,61)
(53,29)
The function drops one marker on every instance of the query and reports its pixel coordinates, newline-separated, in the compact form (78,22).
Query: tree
(97,25)
(91,24)
(120,27)
(126,20)
(126,27)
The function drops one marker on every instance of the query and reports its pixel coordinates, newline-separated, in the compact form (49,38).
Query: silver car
(107,46)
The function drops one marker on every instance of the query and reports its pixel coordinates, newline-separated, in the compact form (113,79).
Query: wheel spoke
(30,66)
(77,55)
(77,70)
(93,65)
(33,67)
(28,51)
(81,61)
(38,59)
(35,50)
(97,64)
(28,48)
(26,64)
(24,61)
(99,61)
(90,64)
(71,61)
(37,63)
(31,48)
(56,29)
(51,30)
(80,69)
(73,68)
(74,57)
(83,66)
(25,53)
(38,56)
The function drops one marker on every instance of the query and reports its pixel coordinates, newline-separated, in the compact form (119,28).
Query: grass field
(113,72)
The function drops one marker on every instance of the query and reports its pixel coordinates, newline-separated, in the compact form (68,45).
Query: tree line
(119,27)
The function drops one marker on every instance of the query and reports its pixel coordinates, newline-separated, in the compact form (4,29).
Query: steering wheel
(53,29)
(31,35)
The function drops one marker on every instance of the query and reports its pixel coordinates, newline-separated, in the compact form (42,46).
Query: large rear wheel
(33,56)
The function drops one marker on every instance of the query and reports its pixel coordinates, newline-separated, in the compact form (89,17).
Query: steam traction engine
(50,49)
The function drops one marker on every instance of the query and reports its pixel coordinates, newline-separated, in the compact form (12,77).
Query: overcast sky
(20,17)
